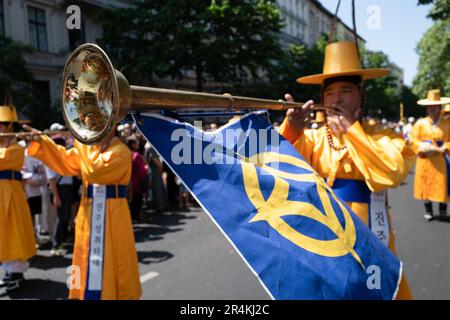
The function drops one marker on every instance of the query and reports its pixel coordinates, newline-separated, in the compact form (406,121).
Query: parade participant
(33,176)
(446,111)
(104,258)
(17,241)
(430,138)
(62,198)
(139,180)
(408,128)
(359,163)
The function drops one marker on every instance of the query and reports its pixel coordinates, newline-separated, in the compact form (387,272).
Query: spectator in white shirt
(61,188)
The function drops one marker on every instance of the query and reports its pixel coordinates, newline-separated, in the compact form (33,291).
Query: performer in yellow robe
(17,241)
(358,160)
(446,112)
(430,137)
(107,164)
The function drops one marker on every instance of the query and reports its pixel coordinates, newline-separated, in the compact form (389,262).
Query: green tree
(296,61)
(13,72)
(15,75)
(226,41)
(440,9)
(409,99)
(383,93)
(434,63)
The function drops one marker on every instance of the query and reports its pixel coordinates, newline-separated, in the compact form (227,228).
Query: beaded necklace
(330,140)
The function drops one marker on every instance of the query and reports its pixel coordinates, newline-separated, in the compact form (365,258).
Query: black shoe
(13,284)
(4,282)
(443,217)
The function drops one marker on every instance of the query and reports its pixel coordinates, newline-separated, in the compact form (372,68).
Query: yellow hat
(342,59)
(433,98)
(9,114)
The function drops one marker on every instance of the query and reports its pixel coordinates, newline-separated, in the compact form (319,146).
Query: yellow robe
(121,278)
(430,180)
(17,240)
(373,154)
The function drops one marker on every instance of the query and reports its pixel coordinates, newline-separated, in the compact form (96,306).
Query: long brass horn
(95,96)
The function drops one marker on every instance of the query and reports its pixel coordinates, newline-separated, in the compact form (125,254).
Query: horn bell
(94,95)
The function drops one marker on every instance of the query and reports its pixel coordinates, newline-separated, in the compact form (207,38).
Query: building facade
(306,20)
(42,25)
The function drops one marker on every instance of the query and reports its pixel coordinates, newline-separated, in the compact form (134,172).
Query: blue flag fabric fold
(294,233)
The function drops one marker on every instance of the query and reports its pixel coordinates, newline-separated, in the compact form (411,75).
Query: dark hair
(357,80)
(16,127)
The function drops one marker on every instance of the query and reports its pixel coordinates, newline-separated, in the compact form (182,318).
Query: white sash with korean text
(378,217)
(96,244)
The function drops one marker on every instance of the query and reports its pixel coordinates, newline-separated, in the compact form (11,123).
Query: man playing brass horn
(359,163)
(104,264)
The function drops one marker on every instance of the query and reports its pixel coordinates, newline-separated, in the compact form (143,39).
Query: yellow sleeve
(447,138)
(415,137)
(302,141)
(384,160)
(11,158)
(56,157)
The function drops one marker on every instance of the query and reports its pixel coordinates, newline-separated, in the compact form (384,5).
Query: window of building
(37,28)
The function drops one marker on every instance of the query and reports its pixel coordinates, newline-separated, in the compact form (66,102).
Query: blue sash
(112,191)
(99,195)
(10,175)
(358,191)
(352,190)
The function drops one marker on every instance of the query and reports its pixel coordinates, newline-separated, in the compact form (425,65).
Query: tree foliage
(15,75)
(434,63)
(440,9)
(221,40)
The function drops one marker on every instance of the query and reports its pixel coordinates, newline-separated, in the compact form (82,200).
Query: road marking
(148,276)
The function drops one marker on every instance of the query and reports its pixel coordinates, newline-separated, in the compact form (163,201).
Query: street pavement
(183,255)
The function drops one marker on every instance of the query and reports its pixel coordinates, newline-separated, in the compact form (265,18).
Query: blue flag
(294,233)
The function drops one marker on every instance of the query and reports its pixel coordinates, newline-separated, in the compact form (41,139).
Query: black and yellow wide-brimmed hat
(342,60)
(434,99)
(8,112)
